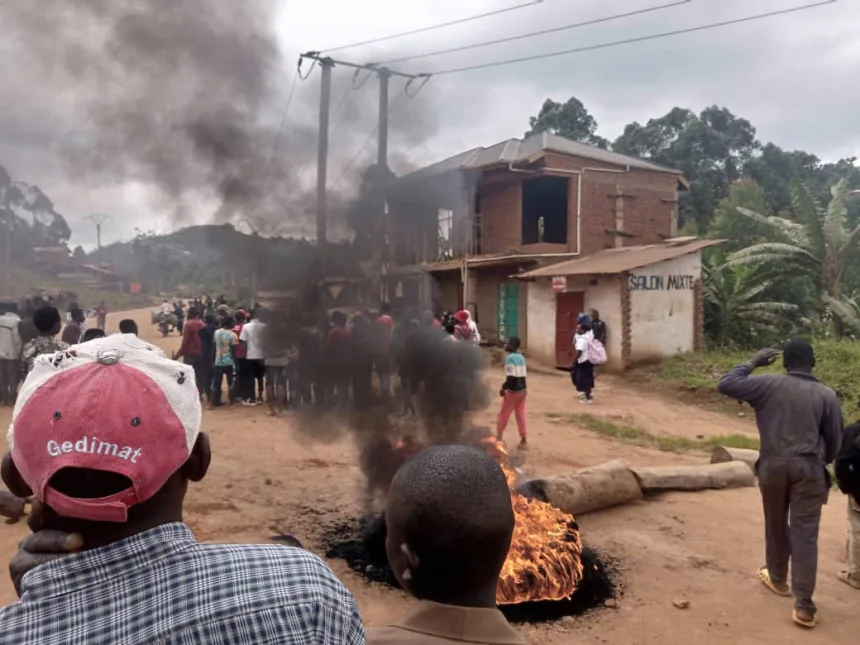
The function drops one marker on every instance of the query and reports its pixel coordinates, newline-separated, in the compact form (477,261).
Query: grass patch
(699,372)
(641,437)
(25,282)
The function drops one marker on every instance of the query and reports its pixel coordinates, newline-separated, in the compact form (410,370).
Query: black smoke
(188,97)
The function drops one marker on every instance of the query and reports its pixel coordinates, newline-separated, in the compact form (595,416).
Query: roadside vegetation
(640,437)
(696,374)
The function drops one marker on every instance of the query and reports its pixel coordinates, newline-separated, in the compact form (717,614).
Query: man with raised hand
(800,427)
(107,437)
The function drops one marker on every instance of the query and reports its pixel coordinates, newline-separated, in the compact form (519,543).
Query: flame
(544,561)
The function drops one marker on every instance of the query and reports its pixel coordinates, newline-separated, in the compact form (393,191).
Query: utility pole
(322,150)
(256,225)
(98,219)
(384,73)
(382,149)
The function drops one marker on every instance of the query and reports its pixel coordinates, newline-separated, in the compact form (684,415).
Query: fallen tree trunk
(586,490)
(733,474)
(723,454)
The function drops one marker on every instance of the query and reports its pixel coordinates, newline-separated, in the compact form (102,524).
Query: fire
(544,561)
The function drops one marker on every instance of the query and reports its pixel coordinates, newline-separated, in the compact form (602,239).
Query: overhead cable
(628,41)
(450,23)
(535,34)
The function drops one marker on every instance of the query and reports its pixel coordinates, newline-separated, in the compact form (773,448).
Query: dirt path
(270,476)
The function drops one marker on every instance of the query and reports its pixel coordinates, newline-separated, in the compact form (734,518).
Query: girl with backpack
(589,353)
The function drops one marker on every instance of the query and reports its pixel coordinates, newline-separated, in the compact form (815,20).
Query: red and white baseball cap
(115,404)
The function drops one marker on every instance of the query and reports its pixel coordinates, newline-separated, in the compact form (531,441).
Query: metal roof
(620,260)
(523,150)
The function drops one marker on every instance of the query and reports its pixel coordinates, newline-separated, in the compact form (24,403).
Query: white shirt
(476,335)
(252,334)
(166,308)
(10,338)
(580,344)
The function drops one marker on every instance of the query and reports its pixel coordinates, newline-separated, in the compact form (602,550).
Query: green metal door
(509,310)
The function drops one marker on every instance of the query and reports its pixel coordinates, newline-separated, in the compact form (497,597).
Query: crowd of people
(259,356)
(111,562)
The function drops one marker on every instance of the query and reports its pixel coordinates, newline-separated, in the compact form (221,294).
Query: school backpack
(847,466)
(596,352)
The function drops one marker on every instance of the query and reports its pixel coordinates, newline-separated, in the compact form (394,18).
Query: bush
(837,363)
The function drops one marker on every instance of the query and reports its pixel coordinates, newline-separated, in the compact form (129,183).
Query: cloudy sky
(790,75)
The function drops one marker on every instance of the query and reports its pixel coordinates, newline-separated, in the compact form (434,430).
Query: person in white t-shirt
(582,370)
(251,338)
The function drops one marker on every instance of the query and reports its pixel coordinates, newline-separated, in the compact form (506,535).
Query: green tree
(729,224)
(569,120)
(79,255)
(816,244)
(737,306)
(710,148)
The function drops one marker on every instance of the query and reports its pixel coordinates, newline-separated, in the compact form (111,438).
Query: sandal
(848,580)
(764,576)
(806,620)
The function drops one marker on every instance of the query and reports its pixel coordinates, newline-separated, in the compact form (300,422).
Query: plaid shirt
(163,587)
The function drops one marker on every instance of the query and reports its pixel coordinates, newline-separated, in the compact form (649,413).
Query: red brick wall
(649,204)
(501,216)
(649,207)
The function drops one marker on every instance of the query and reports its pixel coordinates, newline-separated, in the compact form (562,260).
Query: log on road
(724,454)
(586,490)
(733,474)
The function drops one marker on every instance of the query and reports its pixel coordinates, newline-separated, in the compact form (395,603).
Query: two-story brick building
(466,232)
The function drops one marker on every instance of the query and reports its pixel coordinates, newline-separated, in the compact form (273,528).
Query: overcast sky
(792,76)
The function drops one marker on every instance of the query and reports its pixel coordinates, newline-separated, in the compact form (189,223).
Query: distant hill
(215,258)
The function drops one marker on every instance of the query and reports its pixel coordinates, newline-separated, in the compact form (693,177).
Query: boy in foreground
(141,577)
(447,548)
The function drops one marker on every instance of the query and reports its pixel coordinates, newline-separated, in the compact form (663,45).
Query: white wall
(663,312)
(605,296)
(540,324)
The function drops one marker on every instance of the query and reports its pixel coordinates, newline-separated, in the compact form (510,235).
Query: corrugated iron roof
(614,261)
(522,150)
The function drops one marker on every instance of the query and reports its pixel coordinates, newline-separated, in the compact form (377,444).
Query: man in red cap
(106,437)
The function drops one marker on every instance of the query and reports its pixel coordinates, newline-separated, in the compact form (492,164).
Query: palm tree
(734,310)
(816,244)
(847,311)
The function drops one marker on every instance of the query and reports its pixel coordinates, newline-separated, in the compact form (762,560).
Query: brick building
(461,231)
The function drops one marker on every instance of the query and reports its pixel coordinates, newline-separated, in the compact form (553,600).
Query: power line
(534,34)
(276,144)
(341,104)
(370,138)
(450,23)
(628,41)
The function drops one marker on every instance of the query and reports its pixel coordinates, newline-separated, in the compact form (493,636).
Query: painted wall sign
(661,283)
(559,283)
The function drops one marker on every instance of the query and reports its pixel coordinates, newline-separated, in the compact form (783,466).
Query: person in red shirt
(338,354)
(191,349)
(382,358)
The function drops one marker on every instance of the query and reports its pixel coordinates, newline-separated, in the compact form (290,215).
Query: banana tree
(817,244)
(736,304)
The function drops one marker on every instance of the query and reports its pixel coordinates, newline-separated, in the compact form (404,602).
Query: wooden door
(568,306)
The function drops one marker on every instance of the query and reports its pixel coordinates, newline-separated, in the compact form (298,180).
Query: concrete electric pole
(98,219)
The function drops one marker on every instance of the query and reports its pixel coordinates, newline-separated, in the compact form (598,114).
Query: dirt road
(269,476)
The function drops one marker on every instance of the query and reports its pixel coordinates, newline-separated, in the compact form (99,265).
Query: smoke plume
(188,97)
